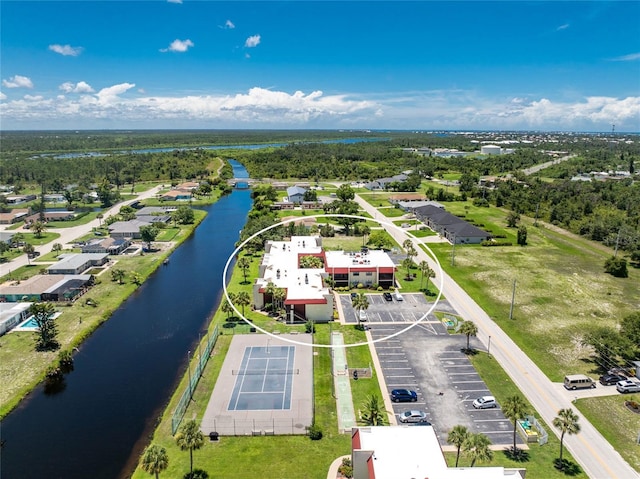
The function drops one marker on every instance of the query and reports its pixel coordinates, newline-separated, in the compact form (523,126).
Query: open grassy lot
(22,368)
(561,289)
(618,425)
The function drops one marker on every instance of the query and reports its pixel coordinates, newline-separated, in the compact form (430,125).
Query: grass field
(561,289)
(616,422)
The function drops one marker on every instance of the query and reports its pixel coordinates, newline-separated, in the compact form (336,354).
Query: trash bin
(355,374)
(213,436)
(253,330)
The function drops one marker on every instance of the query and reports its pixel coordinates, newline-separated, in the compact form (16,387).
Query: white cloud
(252,42)
(3,96)
(627,58)
(258,107)
(174,1)
(80,87)
(66,50)
(228,25)
(18,81)
(562,27)
(178,46)
(33,97)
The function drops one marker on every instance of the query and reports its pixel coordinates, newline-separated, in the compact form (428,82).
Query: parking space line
(466,382)
(491,420)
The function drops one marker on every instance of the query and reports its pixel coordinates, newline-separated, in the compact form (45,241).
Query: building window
(369,274)
(356,274)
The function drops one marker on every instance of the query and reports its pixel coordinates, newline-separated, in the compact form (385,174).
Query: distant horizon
(570,66)
(354,130)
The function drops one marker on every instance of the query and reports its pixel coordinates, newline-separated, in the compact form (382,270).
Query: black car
(611,379)
(354,296)
(387,296)
(404,395)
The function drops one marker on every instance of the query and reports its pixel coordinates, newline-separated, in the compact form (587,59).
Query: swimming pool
(30,324)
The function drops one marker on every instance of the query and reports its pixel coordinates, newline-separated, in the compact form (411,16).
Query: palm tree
(117,275)
(243,299)
(427,272)
(360,303)
(226,307)
(269,291)
(468,328)
(99,216)
(244,264)
(136,278)
(279,296)
(514,408)
(567,422)
(190,438)
(38,228)
(365,230)
(477,447)
(457,437)
(373,413)
(155,460)
(28,249)
(407,264)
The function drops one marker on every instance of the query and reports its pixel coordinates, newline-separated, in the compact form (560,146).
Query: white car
(485,402)
(627,386)
(413,417)
(363,315)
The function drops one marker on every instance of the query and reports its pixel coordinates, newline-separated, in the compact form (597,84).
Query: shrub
(310,327)
(496,243)
(315,433)
(197,474)
(346,468)
(616,267)
(360,285)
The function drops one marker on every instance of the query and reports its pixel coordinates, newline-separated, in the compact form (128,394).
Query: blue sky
(563,65)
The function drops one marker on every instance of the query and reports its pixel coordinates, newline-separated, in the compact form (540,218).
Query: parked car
(404,395)
(387,296)
(412,416)
(611,379)
(398,295)
(354,296)
(363,315)
(485,402)
(627,386)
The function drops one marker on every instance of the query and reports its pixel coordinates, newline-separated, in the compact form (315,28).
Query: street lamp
(489,347)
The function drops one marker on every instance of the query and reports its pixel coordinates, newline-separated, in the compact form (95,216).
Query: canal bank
(126,371)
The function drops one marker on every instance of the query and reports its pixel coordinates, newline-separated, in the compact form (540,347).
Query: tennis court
(264,379)
(265,387)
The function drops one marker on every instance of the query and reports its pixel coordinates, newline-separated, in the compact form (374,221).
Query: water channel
(126,371)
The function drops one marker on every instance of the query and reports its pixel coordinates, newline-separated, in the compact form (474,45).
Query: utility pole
(513,297)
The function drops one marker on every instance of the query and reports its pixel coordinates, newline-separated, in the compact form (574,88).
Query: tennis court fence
(264,372)
(258,427)
(194,377)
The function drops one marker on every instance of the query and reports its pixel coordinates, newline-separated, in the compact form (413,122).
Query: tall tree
(28,249)
(567,422)
(243,299)
(38,228)
(457,436)
(522,235)
(514,408)
(427,272)
(155,460)
(118,275)
(244,264)
(190,438)
(47,330)
(148,234)
(469,329)
(373,412)
(360,303)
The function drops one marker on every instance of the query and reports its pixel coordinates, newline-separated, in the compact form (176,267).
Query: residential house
(127,229)
(12,314)
(177,195)
(295,194)
(111,246)
(77,263)
(14,215)
(46,287)
(406,198)
(449,226)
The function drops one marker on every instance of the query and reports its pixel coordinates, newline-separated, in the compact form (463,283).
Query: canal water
(124,374)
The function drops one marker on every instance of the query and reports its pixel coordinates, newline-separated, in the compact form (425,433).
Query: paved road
(67,235)
(592,451)
(536,168)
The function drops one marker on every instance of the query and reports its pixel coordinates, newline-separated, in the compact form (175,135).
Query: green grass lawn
(616,422)
(167,234)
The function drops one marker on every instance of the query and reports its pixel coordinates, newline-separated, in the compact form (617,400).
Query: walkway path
(594,453)
(536,168)
(344,400)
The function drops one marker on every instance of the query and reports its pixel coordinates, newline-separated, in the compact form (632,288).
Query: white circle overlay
(365,343)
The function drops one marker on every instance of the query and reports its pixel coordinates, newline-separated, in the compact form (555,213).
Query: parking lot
(429,361)
(409,310)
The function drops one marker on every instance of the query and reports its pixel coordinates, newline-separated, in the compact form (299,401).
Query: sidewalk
(344,399)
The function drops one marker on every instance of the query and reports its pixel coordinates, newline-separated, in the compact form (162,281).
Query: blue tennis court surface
(264,379)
